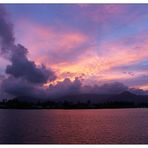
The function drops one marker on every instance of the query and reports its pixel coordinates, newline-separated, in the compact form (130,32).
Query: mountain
(79,101)
(128,97)
(125,96)
(84,98)
(93,98)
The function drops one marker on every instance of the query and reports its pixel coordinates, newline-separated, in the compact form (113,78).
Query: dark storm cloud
(22,88)
(75,87)
(68,87)
(18,87)
(65,87)
(20,66)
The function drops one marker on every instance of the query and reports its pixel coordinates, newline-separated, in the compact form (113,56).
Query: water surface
(96,126)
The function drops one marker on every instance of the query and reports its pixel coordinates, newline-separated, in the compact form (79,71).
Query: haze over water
(74,126)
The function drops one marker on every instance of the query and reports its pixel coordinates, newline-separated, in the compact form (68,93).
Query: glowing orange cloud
(144,87)
(96,61)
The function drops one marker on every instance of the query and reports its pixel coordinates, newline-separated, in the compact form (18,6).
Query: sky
(94,43)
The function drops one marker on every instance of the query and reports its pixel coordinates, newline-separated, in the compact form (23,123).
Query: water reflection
(74,126)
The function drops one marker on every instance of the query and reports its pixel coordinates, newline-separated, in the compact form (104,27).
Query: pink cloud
(95,62)
(44,41)
(46,45)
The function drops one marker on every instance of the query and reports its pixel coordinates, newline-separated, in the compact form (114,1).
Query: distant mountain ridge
(125,96)
(79,101)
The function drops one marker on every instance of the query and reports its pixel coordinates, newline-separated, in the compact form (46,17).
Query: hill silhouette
(79,101)
(127,96)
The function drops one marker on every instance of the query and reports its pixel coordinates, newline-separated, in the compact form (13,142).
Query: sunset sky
(96,43)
